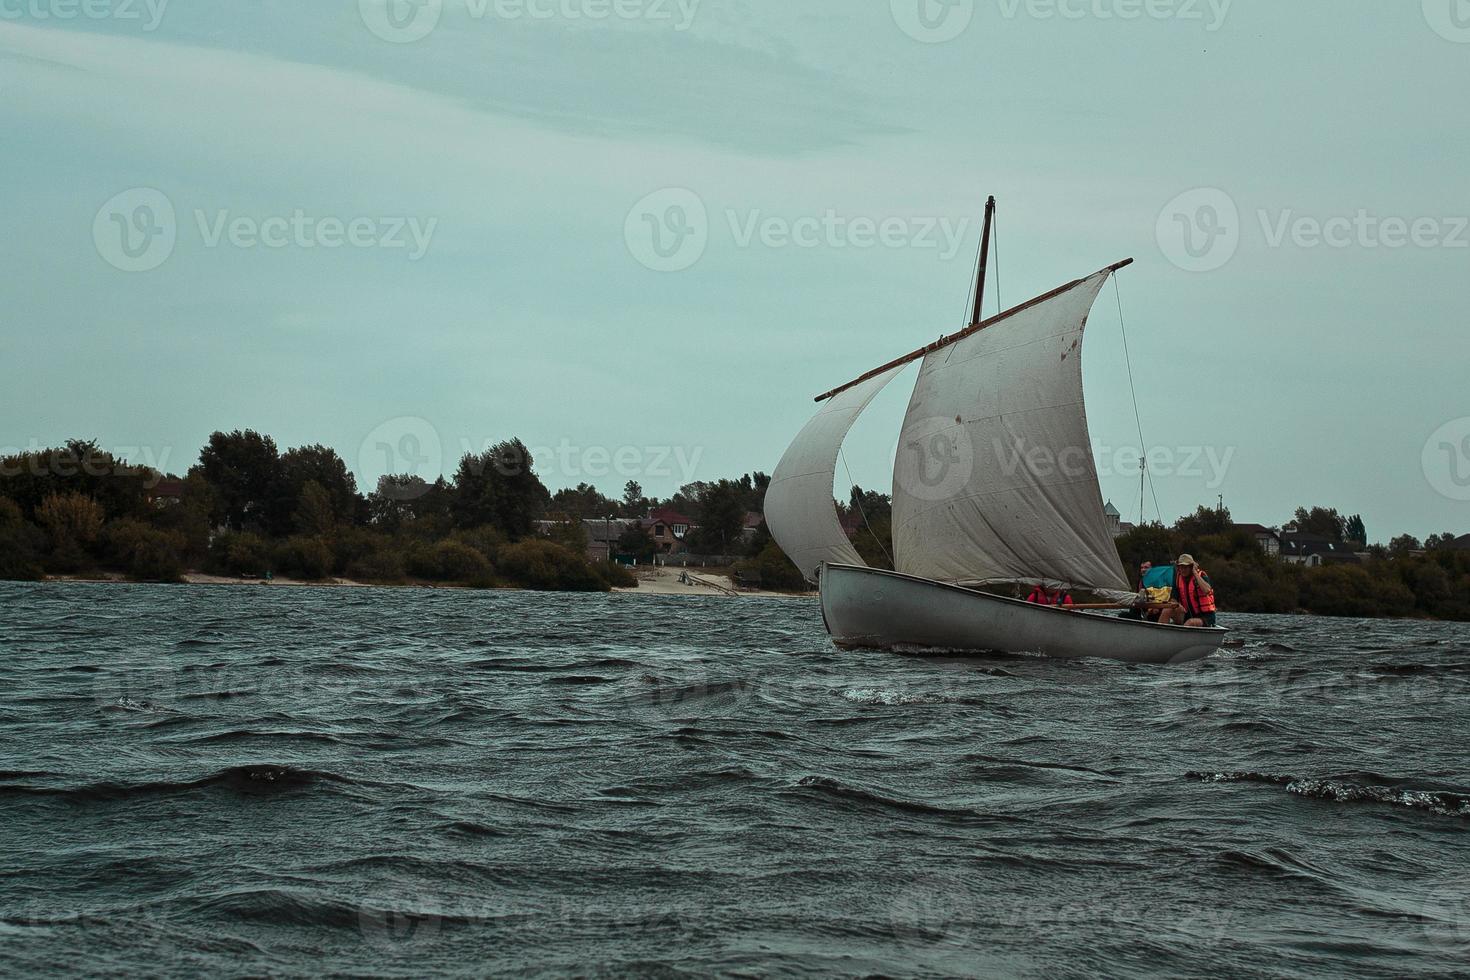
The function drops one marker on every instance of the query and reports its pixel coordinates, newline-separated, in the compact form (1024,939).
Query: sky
(641,235)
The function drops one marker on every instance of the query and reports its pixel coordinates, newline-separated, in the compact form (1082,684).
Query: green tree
(1402,545)
(244,468)
(1324,522)
(637,543)
(635,505)
(721,517)
(1205,520)
(1355,530)
(499,487)
(584,502)
(315,514)
(320,465)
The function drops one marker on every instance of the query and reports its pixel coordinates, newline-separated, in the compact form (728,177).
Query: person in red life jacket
(1193,593)
(1043,596)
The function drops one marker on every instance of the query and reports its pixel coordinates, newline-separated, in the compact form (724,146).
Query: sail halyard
(994,481)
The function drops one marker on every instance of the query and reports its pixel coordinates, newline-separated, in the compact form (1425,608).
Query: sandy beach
(697,581)
(651,581)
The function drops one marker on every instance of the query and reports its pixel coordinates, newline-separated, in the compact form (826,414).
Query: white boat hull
(872,608)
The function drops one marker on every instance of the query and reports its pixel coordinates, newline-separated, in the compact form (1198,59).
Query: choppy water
(296,781)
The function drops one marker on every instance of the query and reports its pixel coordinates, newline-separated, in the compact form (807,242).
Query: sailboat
(994,490)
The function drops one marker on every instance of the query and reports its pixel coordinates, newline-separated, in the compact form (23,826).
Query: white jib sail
(994,479)
(800,511)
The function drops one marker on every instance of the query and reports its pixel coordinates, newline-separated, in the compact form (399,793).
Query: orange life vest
(1189,596)
(1040,598)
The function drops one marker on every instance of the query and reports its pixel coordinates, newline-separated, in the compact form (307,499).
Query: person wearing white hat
(1193,593)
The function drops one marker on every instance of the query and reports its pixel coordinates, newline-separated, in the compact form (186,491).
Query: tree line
(245,508)
(248,509)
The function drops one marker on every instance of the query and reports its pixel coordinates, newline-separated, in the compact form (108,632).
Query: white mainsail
(994,480)
(800,511)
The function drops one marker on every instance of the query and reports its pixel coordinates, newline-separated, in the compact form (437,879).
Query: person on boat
(1193,594)
(1139,608)
(1043,595)
(1156,592)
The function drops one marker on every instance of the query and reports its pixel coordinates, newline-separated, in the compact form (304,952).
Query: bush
(777,572)
(145,553)
(458,562)
(20,548)
(239,553)
(305,557)
(158,557)
(542,565)
(615,575)
(368,556)
(451,560)
(486,540)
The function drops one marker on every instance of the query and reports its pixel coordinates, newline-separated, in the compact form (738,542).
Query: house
(1268,538)
(752,525)
(669,530)
(602,534)
(1115,519)
(1313,551)
(167,492)
(1462,543)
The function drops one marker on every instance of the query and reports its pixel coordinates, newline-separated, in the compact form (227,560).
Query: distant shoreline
(662,581)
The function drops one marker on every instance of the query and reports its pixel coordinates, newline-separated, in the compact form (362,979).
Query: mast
(984,262)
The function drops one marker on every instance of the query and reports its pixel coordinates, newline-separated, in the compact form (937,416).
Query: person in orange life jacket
(1193,593)
(1043,596)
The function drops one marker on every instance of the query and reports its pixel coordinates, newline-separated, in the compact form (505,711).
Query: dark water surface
(256,780)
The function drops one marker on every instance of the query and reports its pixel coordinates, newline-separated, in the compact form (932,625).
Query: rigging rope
(1137,416)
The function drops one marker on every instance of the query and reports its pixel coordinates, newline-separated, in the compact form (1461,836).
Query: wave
(1444,803)
(245,779)
(889,698)
(835,788)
